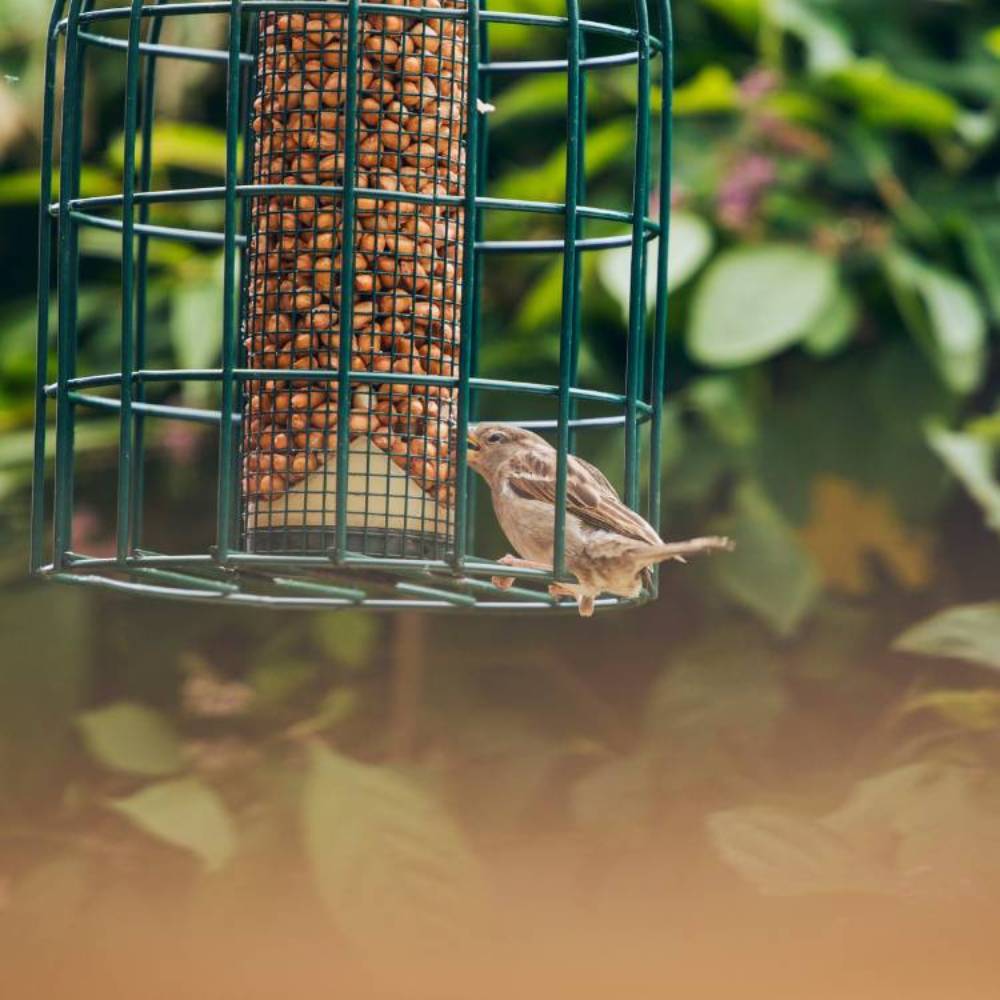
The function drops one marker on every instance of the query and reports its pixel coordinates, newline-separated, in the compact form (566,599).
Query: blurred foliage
(832,403)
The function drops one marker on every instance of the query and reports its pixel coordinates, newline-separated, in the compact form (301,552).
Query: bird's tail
(682,551)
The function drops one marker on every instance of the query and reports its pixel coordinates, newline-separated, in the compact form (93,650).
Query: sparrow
(610,549)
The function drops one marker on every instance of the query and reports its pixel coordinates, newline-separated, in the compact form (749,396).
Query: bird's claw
(502,582)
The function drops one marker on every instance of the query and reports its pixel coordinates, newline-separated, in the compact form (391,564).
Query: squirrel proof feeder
(357,228)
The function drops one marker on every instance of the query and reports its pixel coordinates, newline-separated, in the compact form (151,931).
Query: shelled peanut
(407,254)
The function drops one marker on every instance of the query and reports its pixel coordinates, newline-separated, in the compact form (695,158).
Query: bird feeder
(356,230)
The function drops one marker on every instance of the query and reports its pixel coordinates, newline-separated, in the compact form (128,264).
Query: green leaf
(944,313)
(992,41)
(531,97)
(972,460)
(784,855)
(721,691)
(974,711)
(184,813)
(885,99)
(727,406)
(756,301)
(132,738)
(833,331)
(968,632)
(827,43)
(184,145)
(196,318)
(348,637)
(744,14)
(691,242)
(712,91)
(770,572)
(389,861)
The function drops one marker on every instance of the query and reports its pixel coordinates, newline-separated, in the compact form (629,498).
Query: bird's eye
(496,437)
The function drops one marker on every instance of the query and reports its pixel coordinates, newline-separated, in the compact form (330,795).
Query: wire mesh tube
(403,258)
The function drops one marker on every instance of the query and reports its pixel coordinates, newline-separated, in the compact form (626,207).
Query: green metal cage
(337,566)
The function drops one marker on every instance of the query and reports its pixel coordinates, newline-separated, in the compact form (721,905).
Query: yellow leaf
(848,525)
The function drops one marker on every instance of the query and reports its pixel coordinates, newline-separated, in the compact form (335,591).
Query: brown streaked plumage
(609,548)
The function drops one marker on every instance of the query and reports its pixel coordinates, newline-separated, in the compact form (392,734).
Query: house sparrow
(609,548)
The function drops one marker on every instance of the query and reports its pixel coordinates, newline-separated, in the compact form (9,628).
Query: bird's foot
(586,605)
(561,590)
(506,582)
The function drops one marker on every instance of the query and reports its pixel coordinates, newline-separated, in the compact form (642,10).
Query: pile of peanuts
(408,260)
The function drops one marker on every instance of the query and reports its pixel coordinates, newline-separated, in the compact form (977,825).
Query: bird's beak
(474,446)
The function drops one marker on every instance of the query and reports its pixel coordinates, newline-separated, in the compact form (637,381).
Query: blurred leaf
(542,306)
(975,711)
(196,326)
(719,692)
(607,145)
(827,42)
(784,855)
(347,637)
(179,144)
(938,824)
(992,41)
(691,242)
(184,813)
(744,14)
(847,526)
(45,674)
(276,682)
(973,462)
(770,572)
(336,707)
(617,797)
(533,96)
(982,246)
(712,91)
(755,301)
(885,99)
(969,632)
(952,319)
(132,738)
(726,406)
(23,187)
(389,862)
(834,330)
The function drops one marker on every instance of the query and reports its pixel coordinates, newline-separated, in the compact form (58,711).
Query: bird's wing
(589,495)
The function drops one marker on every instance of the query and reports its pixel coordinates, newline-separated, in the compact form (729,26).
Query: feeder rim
(253,190)
(325,6)
(628,58)
(180,570)
(208,238)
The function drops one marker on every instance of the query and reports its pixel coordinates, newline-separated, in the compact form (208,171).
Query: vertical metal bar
(133,65)
(637,293)
(482,157)
(142,278)
(347,276)
(662,303)
(230,317)
(37,556)
(470,328)
(571,264)
(249,160)
(69,182)
(578,300)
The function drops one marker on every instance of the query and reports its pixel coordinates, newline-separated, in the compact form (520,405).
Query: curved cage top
(402,315)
